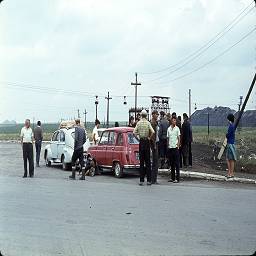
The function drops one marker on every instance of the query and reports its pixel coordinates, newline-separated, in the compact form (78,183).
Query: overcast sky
(56,55)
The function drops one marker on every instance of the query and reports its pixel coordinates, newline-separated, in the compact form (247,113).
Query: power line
(199,53)
(205,45)
(209,62)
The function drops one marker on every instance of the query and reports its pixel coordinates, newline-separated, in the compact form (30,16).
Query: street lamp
(96,105)
(125,102)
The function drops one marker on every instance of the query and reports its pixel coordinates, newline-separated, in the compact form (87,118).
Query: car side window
(104,138)
(55,136)
(62,136)
(120,139)
(112,138)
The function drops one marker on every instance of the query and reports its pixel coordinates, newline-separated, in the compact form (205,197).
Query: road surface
(51,215)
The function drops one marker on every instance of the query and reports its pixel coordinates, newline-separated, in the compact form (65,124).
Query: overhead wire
(198,54)
(209,62)
(206,44)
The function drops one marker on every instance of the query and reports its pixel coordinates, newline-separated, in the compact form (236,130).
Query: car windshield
(132,139)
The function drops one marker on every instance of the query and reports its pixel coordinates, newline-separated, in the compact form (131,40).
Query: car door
(54,144)
(119,153)
(110,148)
(101,149)
(61,144)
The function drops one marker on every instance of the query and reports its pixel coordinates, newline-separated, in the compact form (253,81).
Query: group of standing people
(167,140)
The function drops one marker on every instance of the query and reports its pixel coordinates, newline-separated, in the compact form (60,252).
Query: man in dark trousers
(80,139)
(173,135)
(145,132)
(38,135)
(186,140)
(26,135)
(154,147)
(162,134)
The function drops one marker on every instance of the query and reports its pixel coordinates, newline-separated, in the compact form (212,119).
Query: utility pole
(78,114)
(189,103)
(108,99)
(239,115)
(239,128)
(96,105)
(135,84)
(85,113)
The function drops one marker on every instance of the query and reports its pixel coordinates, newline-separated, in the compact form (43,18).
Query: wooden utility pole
(136,84)
(239,116)
(108,99)
(85,113)
(189,102)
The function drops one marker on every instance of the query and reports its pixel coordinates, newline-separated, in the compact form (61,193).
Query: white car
(61,148)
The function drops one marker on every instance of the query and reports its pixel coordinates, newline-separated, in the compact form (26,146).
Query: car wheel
(118,170)
(47,162)
(92,171)
(65,166)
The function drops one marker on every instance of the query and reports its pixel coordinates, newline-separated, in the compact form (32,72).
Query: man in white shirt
(26,135)
(95,134)
(173,137)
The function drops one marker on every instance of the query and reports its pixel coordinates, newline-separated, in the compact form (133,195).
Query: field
(206,148)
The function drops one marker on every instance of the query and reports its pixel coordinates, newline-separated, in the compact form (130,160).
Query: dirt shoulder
(203,161)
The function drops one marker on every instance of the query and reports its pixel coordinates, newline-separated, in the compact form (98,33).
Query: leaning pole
(239,116)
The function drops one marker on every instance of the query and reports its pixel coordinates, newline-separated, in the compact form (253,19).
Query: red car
(118,150)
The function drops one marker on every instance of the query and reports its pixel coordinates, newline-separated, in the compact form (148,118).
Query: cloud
(97,46)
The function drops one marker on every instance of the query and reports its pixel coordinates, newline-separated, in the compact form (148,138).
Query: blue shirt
(231,134)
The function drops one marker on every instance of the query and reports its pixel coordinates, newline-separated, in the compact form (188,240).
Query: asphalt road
(51,215)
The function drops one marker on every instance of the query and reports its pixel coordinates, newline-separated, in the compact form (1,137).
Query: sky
(57,55)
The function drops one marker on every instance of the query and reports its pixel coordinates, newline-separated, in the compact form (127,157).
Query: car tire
(92,171)
(47,162)
(118,170)
(65,166)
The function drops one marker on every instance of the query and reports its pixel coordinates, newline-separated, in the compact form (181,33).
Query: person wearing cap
(145,133)
(154,147)
(231,150)
(162,134)
(80,139)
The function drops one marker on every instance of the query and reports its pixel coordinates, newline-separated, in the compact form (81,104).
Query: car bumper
(131,166)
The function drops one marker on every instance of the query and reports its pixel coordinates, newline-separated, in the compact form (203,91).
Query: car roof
(120,129)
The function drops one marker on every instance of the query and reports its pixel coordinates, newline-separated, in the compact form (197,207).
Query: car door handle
(112,148)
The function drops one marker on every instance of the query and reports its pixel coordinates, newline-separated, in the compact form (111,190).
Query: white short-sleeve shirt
(95,131)
(26,134)
(173,133)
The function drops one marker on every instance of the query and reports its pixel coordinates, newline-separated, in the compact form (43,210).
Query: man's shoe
(175,181)
(24,176)
(82,178)
(72,177)
(149,183)
(141,183)
(170,180)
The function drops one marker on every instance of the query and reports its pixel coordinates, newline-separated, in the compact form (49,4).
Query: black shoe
(72,177)
(141,183)
(149,183)
(31,176)
(82,178)
(24,176)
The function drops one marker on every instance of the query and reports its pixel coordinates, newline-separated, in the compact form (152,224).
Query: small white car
(61,148)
